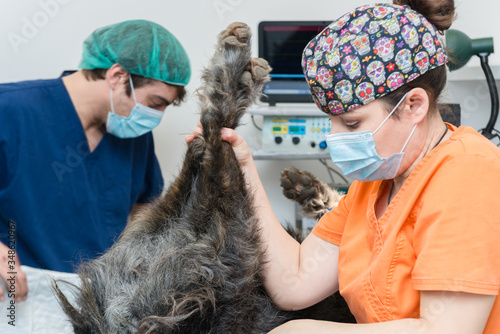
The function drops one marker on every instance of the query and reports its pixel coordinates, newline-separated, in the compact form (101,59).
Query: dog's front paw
(237,34)
(314,196)
(298,185)
(257,72)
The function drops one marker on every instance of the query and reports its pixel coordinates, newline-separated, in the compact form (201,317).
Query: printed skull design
(352,66)
(335,107)
(333,58)
(353,106)
(395,80)
(428,42)
(340,23)
(319,47)
(403,60)
(413,76)
(373,27)
(361,44)
(365,92)
(346,39)
(315,99)
(343,89)
(441,57)
(381,12)
(429,26)
(307,52)
(391,25)
(311,67)
(330,42)
(410,35)
(376,72)
(422,61)
(357,25)
(384,48)
(320,95)
(395,44)
(413,17)
(324,77)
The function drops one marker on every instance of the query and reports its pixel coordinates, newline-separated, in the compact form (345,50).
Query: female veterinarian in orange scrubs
(414,247)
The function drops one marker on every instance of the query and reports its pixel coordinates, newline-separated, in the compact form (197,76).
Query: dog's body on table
(192,262)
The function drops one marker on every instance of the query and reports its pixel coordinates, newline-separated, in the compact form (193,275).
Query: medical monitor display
(281,43)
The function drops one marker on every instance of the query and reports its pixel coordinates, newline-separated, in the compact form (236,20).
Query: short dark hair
(432,82)
(137,80)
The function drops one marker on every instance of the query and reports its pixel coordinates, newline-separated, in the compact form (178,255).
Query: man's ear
(115,76)
(416,105)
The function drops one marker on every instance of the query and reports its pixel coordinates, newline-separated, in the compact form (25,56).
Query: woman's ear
(115,76)
(416,105)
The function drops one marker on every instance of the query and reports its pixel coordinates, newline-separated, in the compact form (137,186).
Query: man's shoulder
(18,100)
(26,89)
(26,95)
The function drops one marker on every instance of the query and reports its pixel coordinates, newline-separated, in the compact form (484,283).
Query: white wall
(60,26)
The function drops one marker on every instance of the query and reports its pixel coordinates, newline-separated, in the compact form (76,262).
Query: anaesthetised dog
(192,262)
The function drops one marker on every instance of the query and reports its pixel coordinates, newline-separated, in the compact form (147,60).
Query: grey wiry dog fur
(192,262)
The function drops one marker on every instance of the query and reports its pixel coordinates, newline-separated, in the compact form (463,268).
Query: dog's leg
(216,271)
(314,196)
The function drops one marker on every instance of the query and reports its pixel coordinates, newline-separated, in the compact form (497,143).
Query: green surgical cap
(140,47)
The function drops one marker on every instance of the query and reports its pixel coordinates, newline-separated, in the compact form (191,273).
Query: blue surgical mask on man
(141,120)
(355,155)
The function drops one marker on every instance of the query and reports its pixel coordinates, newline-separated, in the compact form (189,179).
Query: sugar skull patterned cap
(369,53)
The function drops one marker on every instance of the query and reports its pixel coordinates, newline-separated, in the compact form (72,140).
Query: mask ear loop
(407,140)
(111,100)
(393,110)
(132,87)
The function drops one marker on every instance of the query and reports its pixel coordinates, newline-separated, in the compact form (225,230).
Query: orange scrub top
(441,232)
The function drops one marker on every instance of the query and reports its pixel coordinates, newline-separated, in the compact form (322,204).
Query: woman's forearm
(406,326)
(440,312)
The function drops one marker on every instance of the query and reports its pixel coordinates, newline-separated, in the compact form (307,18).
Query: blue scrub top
(67,204)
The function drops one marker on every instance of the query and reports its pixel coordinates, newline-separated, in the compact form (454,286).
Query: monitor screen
(281,43)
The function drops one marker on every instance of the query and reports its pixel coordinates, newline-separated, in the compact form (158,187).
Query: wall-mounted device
(295,133)
(293,130)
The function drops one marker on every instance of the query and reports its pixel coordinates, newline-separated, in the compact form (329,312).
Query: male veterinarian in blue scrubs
(77,153)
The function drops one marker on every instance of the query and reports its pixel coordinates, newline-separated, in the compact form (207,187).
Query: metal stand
(487,132)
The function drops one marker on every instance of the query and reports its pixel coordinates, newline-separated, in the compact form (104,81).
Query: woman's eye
(352,125)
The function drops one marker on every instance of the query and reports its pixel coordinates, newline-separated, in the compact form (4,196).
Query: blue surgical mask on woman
(355,155)
(141,120)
